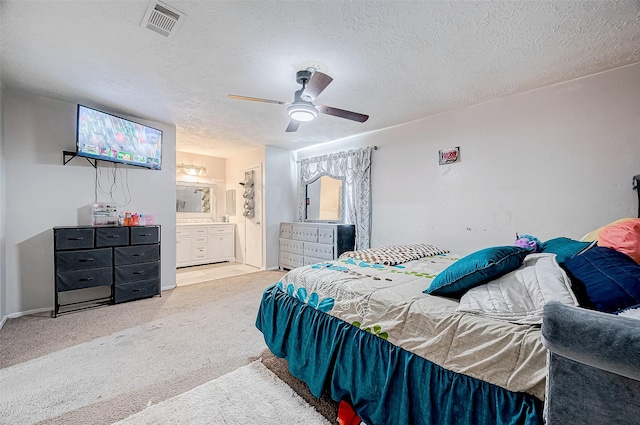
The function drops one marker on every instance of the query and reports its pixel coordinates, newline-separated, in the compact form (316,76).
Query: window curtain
(353,167)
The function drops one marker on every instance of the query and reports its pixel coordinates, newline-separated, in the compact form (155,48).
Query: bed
(366,332)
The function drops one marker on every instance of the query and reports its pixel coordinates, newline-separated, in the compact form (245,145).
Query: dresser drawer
(304,233)
(199,231)
(318,250)
(142,235)
(73,238)
(136,254)
(288,260)
(294,247)
(183,231)
(112,236)
(199,252)
(326,236)
(136,290)
(310,260)
(285,231)
(83,259)
(221,230)
(135,272)
(79,279)
(199,240)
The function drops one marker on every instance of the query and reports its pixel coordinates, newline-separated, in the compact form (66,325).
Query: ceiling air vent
(163,19)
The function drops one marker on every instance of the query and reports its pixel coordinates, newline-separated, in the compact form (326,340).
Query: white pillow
(519,296)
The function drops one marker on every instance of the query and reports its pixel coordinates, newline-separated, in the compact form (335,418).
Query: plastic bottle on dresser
(143,220)
(127,218)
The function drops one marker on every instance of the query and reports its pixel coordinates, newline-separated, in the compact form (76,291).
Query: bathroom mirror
(324,200)
(193,198)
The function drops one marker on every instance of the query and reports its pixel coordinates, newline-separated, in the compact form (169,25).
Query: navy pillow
(475,269)
(605,279)
(564,248)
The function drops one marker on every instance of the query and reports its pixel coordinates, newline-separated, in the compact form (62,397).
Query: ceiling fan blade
(319,81)
(293,126)
(354,116)
(255,99)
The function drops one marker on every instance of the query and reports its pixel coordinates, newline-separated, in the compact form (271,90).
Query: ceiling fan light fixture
(302,112)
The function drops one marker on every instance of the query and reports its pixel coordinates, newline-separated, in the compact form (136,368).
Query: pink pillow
(623,237)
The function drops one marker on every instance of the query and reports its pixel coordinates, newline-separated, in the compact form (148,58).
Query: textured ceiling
(395,61)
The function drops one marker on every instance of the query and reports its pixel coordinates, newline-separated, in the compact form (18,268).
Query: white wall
(235,174)
(280,198)
(216,173)
(556,161)
(3,224)
(42,193)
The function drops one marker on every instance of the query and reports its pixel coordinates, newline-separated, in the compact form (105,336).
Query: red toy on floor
(346,415)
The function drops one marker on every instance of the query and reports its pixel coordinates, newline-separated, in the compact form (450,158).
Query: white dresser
(302,244)
(204,243)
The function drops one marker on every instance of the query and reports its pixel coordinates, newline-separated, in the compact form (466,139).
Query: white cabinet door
(183,250)
(222,243)
(221,247)
(228,246)
(215,247)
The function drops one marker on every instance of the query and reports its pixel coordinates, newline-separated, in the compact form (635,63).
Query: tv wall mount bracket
(69,155)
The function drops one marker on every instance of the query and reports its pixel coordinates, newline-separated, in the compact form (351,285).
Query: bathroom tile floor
(198,274)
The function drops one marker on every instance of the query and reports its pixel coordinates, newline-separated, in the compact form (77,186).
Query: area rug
(251,394)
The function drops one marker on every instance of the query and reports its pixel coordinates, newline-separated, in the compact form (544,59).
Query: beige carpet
(102,365)
(250,395)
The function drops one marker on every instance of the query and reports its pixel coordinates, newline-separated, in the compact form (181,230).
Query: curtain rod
(375,148)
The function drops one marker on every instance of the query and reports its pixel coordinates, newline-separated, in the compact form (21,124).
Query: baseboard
(166,288)
(269,269)
(28,312)
(46,309)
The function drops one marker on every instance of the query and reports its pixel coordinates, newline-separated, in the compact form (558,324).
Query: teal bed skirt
(385,384)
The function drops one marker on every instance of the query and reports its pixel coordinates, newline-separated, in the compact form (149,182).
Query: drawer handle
(136,290)
(84,260)
(79,238)
(144,234)
(85,279)
(139,272)
(113,236)
(138,255)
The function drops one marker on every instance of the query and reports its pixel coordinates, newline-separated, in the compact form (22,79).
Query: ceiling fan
(302,108)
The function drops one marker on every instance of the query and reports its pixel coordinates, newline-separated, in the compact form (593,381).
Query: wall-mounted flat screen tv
(106,137)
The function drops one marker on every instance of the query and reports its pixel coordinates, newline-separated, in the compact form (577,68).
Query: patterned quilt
(394,254)
(387,300)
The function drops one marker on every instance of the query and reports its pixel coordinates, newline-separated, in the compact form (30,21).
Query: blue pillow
(605,279)
(564,248)
(475,269)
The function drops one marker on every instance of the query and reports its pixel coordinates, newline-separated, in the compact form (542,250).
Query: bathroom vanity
(204,243)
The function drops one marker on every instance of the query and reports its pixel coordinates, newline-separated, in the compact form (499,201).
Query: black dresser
(105,265)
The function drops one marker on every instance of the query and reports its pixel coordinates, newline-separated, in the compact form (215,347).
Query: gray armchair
(594,366)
